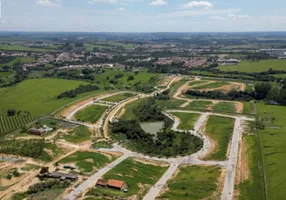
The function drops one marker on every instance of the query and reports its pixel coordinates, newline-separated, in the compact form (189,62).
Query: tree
(262,90)
(273,94)
(11,112)
(130,78)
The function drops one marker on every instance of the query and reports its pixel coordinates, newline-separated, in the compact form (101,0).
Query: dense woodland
(80,89)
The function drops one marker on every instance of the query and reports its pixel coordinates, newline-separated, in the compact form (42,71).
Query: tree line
(80,89)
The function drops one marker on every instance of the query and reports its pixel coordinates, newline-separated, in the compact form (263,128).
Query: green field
(39,96)
(78,135)
(91,113)
(248,108)
(192,183)
(226,107)
(138,176)
(5,74)
(279,75)
(197,82)
(219,129)
(260,66)
(211,85)
(199,104)
(18,60)
(187,120)
(129,109)
(119,97)
(87,162)
(8,124)
(252,188)
(165,104)
(273,140)
(23,48)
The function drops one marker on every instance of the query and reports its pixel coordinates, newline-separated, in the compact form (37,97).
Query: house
(115,184)
(35,131)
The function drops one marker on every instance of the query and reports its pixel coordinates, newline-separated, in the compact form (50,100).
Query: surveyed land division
(85,117)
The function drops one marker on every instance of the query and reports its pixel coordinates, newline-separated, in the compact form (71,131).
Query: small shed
(119,185)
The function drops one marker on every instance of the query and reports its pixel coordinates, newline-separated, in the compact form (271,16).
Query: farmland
(8,124)
(260,66)
(219,129)
(18,60)
(273,141)
(38,96)
(91,113)
(192,183)
(86,161)
(138,176)
(187,120)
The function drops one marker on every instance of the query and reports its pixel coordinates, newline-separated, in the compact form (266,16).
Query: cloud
(47,3)
(204,4)
(158,3)
(102,1)
(217,18)
(121,9)
(238,16)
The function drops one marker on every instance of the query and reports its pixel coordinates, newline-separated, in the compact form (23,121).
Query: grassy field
(78,135)
(138,176)
(175,86)
(260,66)
(119,97)
(199,104)
(226,107)
(165,104)
(253,187)
(197,82)
(211,85)
(279,75)
(87,162)
(192,183)
(23,48)
(19,60)
(219,129)
(273,140)
(5,74)
(39,96)
(187,120)
(248,108)
(91,113)
(129,113)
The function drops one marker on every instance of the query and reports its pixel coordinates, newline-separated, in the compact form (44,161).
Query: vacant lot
(273,143)
(248,108)
(211,85)
(187,120)
(78,135)
(226,107)
(199,104)
(87,162)
(260,66)
(38,96)
(91,113)
(219,129)
(119,97)
(192,183)
(165,104)
(130,108)
(138,176)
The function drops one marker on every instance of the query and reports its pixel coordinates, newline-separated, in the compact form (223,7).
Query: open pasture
(187,120)
(91,113)
(118,97)
(225,107)
(78,135)
(260,66)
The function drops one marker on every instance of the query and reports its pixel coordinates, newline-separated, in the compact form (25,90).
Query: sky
(143,15)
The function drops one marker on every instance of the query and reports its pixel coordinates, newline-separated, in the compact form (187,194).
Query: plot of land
(248,108)
(119,97)
(138,176)
(129,109)
(260,66)
(78,135)
(193,183)
(226,107)
(219,129)
(199,104)
(211,85)
(165,104)
(197,82)
(273,144)
(88,162)
(39,96)
(91,113)
(187,120)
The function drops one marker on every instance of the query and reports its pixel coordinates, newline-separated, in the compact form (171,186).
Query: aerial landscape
(90,110)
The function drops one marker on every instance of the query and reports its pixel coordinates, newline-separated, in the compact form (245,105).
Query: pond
(152,127)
